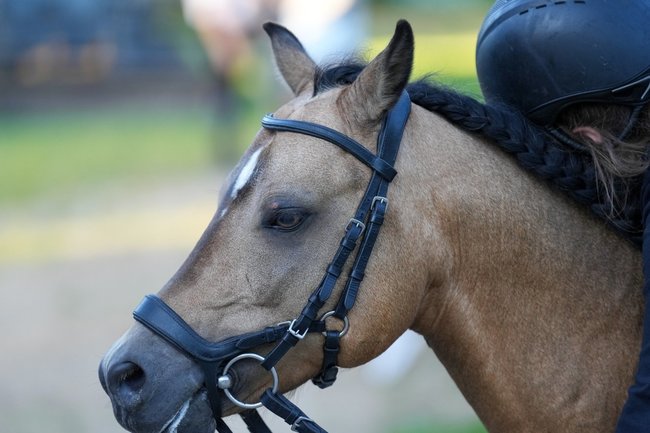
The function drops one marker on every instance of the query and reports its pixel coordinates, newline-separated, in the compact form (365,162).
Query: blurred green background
(114,138)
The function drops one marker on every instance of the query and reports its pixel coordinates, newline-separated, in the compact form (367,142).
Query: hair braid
(570,171)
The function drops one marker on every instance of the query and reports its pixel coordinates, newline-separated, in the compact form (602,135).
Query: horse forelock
(337,74)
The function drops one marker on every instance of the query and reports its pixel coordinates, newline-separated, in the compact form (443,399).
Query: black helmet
(541,56)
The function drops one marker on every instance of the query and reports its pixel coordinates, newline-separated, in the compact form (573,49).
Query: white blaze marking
(242,179)
(245,173)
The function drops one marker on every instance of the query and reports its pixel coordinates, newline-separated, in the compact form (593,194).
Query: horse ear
(295,65)
(380,84)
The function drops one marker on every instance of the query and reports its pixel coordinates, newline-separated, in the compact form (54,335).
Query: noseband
(217,359)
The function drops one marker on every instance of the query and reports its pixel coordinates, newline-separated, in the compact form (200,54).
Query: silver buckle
(296,423)
(379,199)
(295,333)
(356,222)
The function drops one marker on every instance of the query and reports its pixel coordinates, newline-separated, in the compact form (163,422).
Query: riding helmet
(541,56)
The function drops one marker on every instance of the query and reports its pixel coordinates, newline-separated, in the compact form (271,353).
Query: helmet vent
(555,3)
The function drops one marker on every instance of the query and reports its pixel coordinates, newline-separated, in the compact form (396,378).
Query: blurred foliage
(430,19)
(447,58)
(48,152)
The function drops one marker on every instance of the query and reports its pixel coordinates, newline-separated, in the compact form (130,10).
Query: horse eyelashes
(285,219)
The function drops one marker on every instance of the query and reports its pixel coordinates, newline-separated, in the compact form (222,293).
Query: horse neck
(534,306)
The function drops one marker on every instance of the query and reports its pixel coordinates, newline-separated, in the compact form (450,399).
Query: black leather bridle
(217,359)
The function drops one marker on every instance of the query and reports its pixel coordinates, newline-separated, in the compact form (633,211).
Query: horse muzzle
(154,390)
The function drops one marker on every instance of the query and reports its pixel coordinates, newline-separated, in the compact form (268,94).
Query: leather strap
(162,320)
(347,300)
(316,301)
(290,413)
(254,422)
(343,141)
(329,369)
(222,427)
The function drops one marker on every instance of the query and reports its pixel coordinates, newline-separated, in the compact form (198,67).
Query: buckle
(357,223)
(296,423)
(379,199)
(295,333)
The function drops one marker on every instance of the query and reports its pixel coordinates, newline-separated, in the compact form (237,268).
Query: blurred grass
(441,428)
(48,152)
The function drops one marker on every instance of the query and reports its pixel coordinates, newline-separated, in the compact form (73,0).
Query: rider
(581,70)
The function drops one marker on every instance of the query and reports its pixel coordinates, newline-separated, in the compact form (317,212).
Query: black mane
(537,151)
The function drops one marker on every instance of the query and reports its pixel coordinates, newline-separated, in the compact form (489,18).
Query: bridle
(217,359)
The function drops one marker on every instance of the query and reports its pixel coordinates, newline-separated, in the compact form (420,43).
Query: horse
(532,305)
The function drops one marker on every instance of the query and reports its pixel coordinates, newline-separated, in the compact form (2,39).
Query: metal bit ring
(226,388)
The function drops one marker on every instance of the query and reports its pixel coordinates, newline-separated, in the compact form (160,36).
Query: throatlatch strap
(329,369)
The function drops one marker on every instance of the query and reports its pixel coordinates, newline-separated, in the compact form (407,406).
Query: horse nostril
(124,381)
(128,374)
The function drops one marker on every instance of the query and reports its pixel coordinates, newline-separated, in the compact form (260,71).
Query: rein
(217,359)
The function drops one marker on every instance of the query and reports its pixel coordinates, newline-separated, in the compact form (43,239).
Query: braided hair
(571,170)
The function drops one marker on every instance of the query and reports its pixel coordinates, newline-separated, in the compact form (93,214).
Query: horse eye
(286,219)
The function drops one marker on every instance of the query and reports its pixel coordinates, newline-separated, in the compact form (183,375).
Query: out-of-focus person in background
(326,28)
(228,31)
(225,29)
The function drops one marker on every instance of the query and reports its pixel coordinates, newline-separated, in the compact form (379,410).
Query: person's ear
(589,133)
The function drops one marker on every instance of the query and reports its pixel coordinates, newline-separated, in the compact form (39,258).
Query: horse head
(279,222)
